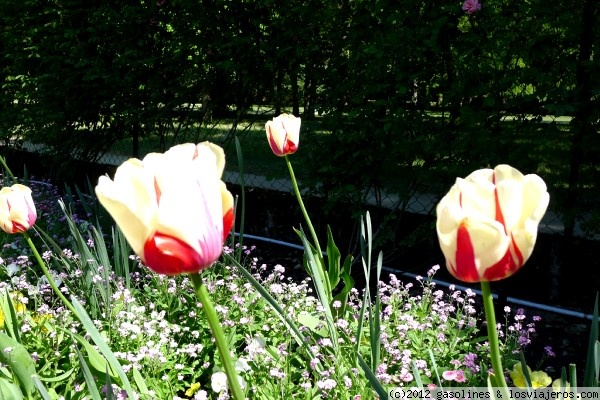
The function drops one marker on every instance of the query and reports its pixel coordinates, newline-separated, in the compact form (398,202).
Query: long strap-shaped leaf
(14,354)
(377,386)
(89,378)
(365,249)
(321,283)
(590,377)
(294,331)
(102,346)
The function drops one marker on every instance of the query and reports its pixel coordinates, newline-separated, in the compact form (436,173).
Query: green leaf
(377,386)
(96,360)
(110,395)
(90,380)
(597,360)
(9,390)
(375,320)
(57,378)
(333,260)
(311,322)
(525,370)
(293,328)
(139,381)
(41,388)
(322,287)
(590,377)
(349,282)
(104,349)
(14,354)
(120,257)
(417,375)
(435,368)
(11,324)
(491,384)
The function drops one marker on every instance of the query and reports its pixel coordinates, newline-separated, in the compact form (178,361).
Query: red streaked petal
(275,146)
(18,228)
(466,267)
(499,216)
(517,251)
(502,269)
(290,147)
(507,266)
(171,256)
(227,223)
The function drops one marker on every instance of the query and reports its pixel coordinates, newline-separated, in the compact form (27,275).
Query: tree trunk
(581,124)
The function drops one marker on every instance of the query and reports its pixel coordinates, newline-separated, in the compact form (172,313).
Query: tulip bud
(17,211)
(283,133)
(173,208)
(487,223)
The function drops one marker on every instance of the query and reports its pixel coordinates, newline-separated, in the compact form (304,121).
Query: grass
(427,162)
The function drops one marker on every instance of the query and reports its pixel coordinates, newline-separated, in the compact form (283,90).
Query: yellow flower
(193,389)
(539,379)
(40,319)
(19,306)
(556,386)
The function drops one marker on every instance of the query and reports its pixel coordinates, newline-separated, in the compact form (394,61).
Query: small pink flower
(449,375)
(456,376)
(470,6)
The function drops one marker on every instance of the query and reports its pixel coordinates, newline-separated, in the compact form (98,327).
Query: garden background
(397,98)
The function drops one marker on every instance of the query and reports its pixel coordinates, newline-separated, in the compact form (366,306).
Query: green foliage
(418,93)
(14,354)
(150,337)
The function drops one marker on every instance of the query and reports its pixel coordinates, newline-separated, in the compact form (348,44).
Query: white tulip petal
(481,176)
(490,243)
(193,214)
(510,201)
(477,200)
(446,226)
(206,152)
(292,127)
(217,152)
(131,200)
(535,198)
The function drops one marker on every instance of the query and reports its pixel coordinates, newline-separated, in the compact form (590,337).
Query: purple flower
(469,362)
(549,352)
(470,6)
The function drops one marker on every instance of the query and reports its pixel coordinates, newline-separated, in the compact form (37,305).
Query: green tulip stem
(306,217)
(220,339)
(490,317)
(51,281)
(8,171)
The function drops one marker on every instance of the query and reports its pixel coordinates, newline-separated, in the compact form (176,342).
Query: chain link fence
(418,203)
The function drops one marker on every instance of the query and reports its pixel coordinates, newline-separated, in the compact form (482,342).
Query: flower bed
(168,318)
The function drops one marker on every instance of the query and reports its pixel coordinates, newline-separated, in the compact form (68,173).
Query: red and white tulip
(487,223)
(173,208)
(17,211)
(283,133)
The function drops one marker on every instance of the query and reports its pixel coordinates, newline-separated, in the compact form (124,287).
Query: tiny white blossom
(218,382)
